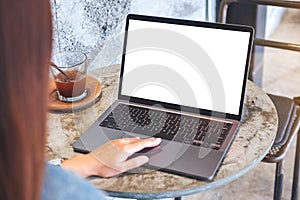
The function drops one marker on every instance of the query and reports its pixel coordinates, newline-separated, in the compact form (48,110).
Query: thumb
(134,163)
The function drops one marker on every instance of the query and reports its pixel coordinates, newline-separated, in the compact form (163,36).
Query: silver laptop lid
(185,65)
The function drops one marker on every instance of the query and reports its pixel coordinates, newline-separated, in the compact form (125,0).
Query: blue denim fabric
(60,184)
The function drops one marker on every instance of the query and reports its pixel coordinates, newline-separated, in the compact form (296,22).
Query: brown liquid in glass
(71,86)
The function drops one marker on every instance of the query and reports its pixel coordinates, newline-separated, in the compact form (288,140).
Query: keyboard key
(170,126)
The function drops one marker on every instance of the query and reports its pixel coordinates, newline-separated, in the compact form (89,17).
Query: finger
(141,144)
(133,163)
(126,140)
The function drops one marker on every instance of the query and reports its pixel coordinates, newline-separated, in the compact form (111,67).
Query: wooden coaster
(93,87)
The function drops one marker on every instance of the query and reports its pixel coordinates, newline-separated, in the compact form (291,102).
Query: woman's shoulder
(61,184)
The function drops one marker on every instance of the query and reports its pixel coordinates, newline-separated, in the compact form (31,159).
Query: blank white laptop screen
(185,65)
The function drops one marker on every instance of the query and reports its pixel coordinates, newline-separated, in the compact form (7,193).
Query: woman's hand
(111,158)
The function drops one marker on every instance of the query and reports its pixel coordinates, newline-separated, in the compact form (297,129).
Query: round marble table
(254,139)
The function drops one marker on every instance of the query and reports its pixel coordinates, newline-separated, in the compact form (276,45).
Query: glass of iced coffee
(69,72)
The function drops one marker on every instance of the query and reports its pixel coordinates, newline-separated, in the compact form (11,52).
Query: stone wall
(95,26)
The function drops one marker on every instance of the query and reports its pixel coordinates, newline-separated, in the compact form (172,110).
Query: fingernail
(144,159)
(155,139)
(141,160)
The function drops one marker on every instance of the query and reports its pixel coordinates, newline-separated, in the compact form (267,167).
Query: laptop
(183,81)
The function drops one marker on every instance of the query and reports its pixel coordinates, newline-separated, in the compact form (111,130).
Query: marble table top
(254,139)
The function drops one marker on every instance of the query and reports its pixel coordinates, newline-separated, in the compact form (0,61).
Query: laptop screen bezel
(187,23)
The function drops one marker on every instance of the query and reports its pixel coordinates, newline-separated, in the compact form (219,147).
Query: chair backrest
(257,41)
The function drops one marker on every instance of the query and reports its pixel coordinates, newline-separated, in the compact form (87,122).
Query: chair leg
(278,180)
(296,170)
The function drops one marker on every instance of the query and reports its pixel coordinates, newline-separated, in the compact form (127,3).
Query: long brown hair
(25,49)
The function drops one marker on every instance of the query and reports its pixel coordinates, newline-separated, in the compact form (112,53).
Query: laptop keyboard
(171,126)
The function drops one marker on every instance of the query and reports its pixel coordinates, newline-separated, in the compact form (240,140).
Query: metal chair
(287,109)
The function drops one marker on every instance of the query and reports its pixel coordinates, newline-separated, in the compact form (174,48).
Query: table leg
(278,180)
(296,170)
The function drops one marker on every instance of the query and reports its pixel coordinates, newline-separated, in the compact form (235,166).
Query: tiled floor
(282,68)
(281,76)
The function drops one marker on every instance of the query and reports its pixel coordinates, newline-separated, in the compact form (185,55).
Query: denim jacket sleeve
(60,184)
